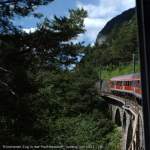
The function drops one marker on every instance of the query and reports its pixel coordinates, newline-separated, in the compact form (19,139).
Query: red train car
(127,85)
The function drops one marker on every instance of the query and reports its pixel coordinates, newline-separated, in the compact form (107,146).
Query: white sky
(99,13)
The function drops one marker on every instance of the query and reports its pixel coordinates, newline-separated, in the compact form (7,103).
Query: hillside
(115,22)
(116,43)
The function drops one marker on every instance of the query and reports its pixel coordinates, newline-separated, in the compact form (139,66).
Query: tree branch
(7,2)
(6,85)
(5,70)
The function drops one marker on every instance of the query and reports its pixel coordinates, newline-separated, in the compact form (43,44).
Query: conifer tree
(22,55)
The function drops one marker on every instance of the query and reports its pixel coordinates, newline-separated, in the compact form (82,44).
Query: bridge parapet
(104,89)
(129,110)
(132,127)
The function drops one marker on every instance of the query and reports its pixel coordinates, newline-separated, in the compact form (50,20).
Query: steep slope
(117,41)
(116,22)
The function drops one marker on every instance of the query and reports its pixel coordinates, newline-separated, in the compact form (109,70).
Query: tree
(52,40)
(22,55)
(10,8)
(40,89)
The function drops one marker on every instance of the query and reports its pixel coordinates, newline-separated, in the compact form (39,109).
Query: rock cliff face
(116,22)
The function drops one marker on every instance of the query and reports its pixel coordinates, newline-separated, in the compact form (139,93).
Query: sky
(99,13)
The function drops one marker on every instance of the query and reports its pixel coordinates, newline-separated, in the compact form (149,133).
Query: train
(127,85)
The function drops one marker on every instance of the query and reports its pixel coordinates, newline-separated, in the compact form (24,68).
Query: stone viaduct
(128,115)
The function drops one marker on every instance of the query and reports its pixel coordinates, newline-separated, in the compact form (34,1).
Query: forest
(48,96)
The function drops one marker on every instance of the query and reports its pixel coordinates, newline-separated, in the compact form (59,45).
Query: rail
(128,104)
(103,89)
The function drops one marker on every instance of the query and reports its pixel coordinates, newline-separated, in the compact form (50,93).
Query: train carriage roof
(128,77)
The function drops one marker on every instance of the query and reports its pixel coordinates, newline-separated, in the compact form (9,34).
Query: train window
(134,83)
(137,83)
(117,82)
(120,83)
(123,83)
(112,83)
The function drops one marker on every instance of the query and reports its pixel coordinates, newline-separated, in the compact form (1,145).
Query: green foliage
(28,103)
(44,101)
(51,43)
(118,40)
(68,92)
(117,22)
(114,56)
(10,8)
(86,130)
(75,112)
(81,130)
(124,42)
(121,70)
(112,141)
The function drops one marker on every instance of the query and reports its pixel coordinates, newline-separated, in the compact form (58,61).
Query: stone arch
(118,118)
(124,120)
(139,134)
(110,111)
(134,145)
(129,135)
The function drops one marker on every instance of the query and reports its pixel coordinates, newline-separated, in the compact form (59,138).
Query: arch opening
(118,118)
(139,134)
(129,135)
(124,120)
(134,145)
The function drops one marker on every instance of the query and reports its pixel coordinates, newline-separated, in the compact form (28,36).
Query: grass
(121,70)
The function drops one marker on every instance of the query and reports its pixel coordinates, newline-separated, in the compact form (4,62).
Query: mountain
(116,22)
(117,41)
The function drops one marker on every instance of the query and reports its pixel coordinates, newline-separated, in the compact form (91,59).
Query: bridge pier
(127,113)
(132,127)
